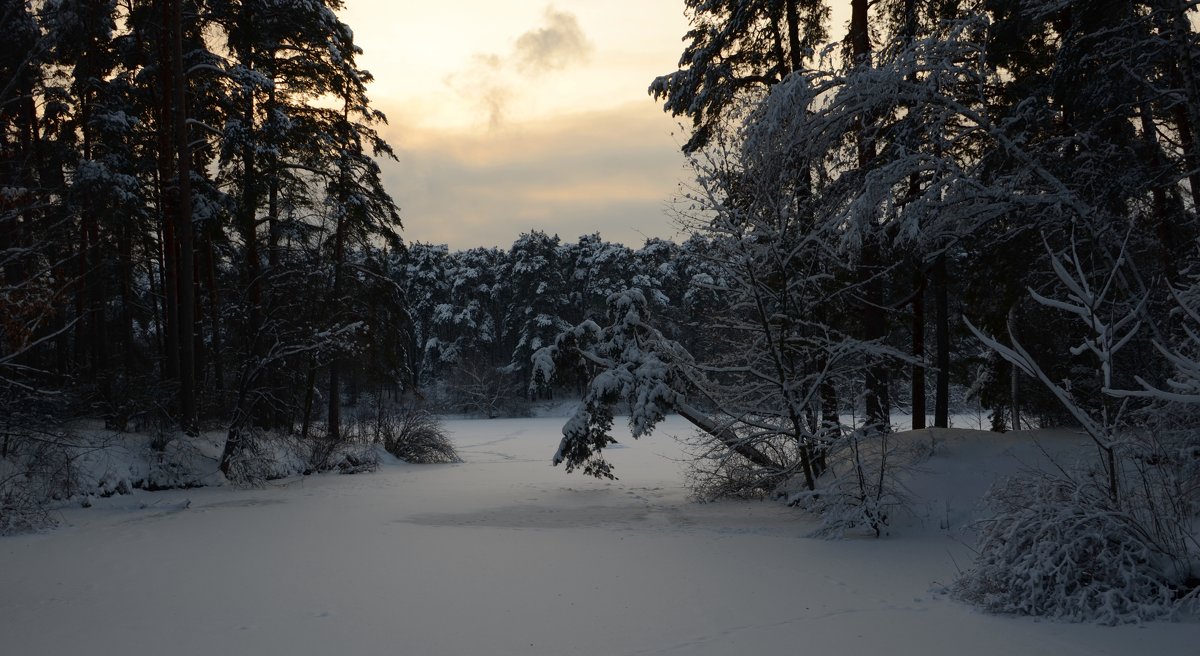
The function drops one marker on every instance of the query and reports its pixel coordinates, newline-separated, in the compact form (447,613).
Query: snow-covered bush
(713,471)
(486,391)
(256,462)
(37,468)
(22,508)
(862,487)
(859,487)
(352,453)
(414,435)
(176,463)
(1062,549)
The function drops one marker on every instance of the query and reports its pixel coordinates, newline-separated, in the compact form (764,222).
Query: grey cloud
(558,44)
(484,82)
(492,80)
(613,170)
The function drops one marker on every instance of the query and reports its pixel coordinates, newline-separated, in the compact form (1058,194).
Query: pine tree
(737,49)
(539,298)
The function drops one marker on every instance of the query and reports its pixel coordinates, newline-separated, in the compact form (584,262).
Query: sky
(520,115)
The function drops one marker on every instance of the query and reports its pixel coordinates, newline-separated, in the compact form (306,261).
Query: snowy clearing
(504,554)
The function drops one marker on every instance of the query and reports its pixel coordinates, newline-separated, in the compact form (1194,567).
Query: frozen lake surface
(504,554)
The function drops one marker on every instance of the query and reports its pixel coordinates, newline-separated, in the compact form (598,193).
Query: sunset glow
(514,116)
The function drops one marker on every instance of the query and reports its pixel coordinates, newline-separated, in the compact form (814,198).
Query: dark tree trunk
(918,338)
(187,327)
(1184,75)
(310,388)
(125,272)
(941,411)
(793,26)
(199,348)
(214,311)
(157,277)
(273,226)
(918,302)
(1164,230)
(334,415)
(333,419)
(1014,373)
(878,406)
(248,206)
(167,200)
(81,298)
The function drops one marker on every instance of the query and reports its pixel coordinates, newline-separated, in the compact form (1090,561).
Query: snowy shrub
(1062,549)
(22,509)
(862,487)
(251,465)
(1114,544)
(38,469)
(353,457)
(485,391)
(268,456)
(414,435)
(713,472)
(176,463)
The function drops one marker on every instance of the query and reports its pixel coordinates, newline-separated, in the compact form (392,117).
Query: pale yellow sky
(525,114)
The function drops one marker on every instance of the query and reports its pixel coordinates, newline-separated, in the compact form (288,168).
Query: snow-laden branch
(637,366)
(1017,355)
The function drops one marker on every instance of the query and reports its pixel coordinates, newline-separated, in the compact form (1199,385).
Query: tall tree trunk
(918,339)
(214,311)
(168,213)
(1164,230)
(878,406)
(860,34)
(156,273)
(1014,373)
(248,224)
(199,350)
(17,224)
(125,272)
(793,27)
(333,421)
(278,417)
(187,327)
(81,298)
(941,411)
(310,388)
(1187,140)
(1185,75)
(334,415)
(92,270)
(247,214)
(918,302)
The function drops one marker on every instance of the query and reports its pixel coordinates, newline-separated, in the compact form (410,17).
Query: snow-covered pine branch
(635,366)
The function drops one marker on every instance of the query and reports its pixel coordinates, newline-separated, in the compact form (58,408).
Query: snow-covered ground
(504,554)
